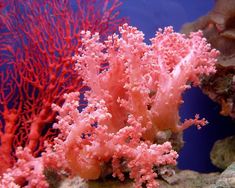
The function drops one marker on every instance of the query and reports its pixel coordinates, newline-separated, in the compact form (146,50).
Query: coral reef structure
(120,124)
(127,107)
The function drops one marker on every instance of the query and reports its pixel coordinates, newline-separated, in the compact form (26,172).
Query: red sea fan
(38,39)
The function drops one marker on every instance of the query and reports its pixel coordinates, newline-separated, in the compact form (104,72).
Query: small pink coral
(27,172)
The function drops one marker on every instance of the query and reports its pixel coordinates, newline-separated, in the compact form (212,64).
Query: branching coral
(135,92)
(145,80)
(37,42)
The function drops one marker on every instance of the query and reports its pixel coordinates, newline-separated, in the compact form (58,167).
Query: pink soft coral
(27,169)
(145,80)
(135,92)
(89,147)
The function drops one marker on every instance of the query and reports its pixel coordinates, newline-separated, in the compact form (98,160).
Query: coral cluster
(132,98)
(134,93)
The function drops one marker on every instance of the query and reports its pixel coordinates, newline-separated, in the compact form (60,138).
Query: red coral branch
(38,40)
(11,105)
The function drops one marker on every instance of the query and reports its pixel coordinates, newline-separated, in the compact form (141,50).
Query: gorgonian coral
(37,42)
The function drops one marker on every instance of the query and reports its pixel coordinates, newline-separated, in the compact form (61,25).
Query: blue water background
(148,16)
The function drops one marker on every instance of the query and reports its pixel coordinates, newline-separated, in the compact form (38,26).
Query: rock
(219,29)
(182,179)
(227,178)
(220,87)
(110,184)
(223,152)
(75,182)
(190,179)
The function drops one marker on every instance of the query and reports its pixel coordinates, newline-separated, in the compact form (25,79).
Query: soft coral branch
(192,58)
(145,80)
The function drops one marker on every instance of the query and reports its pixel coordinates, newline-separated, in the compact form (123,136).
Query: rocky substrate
(182,179)
(219,29)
